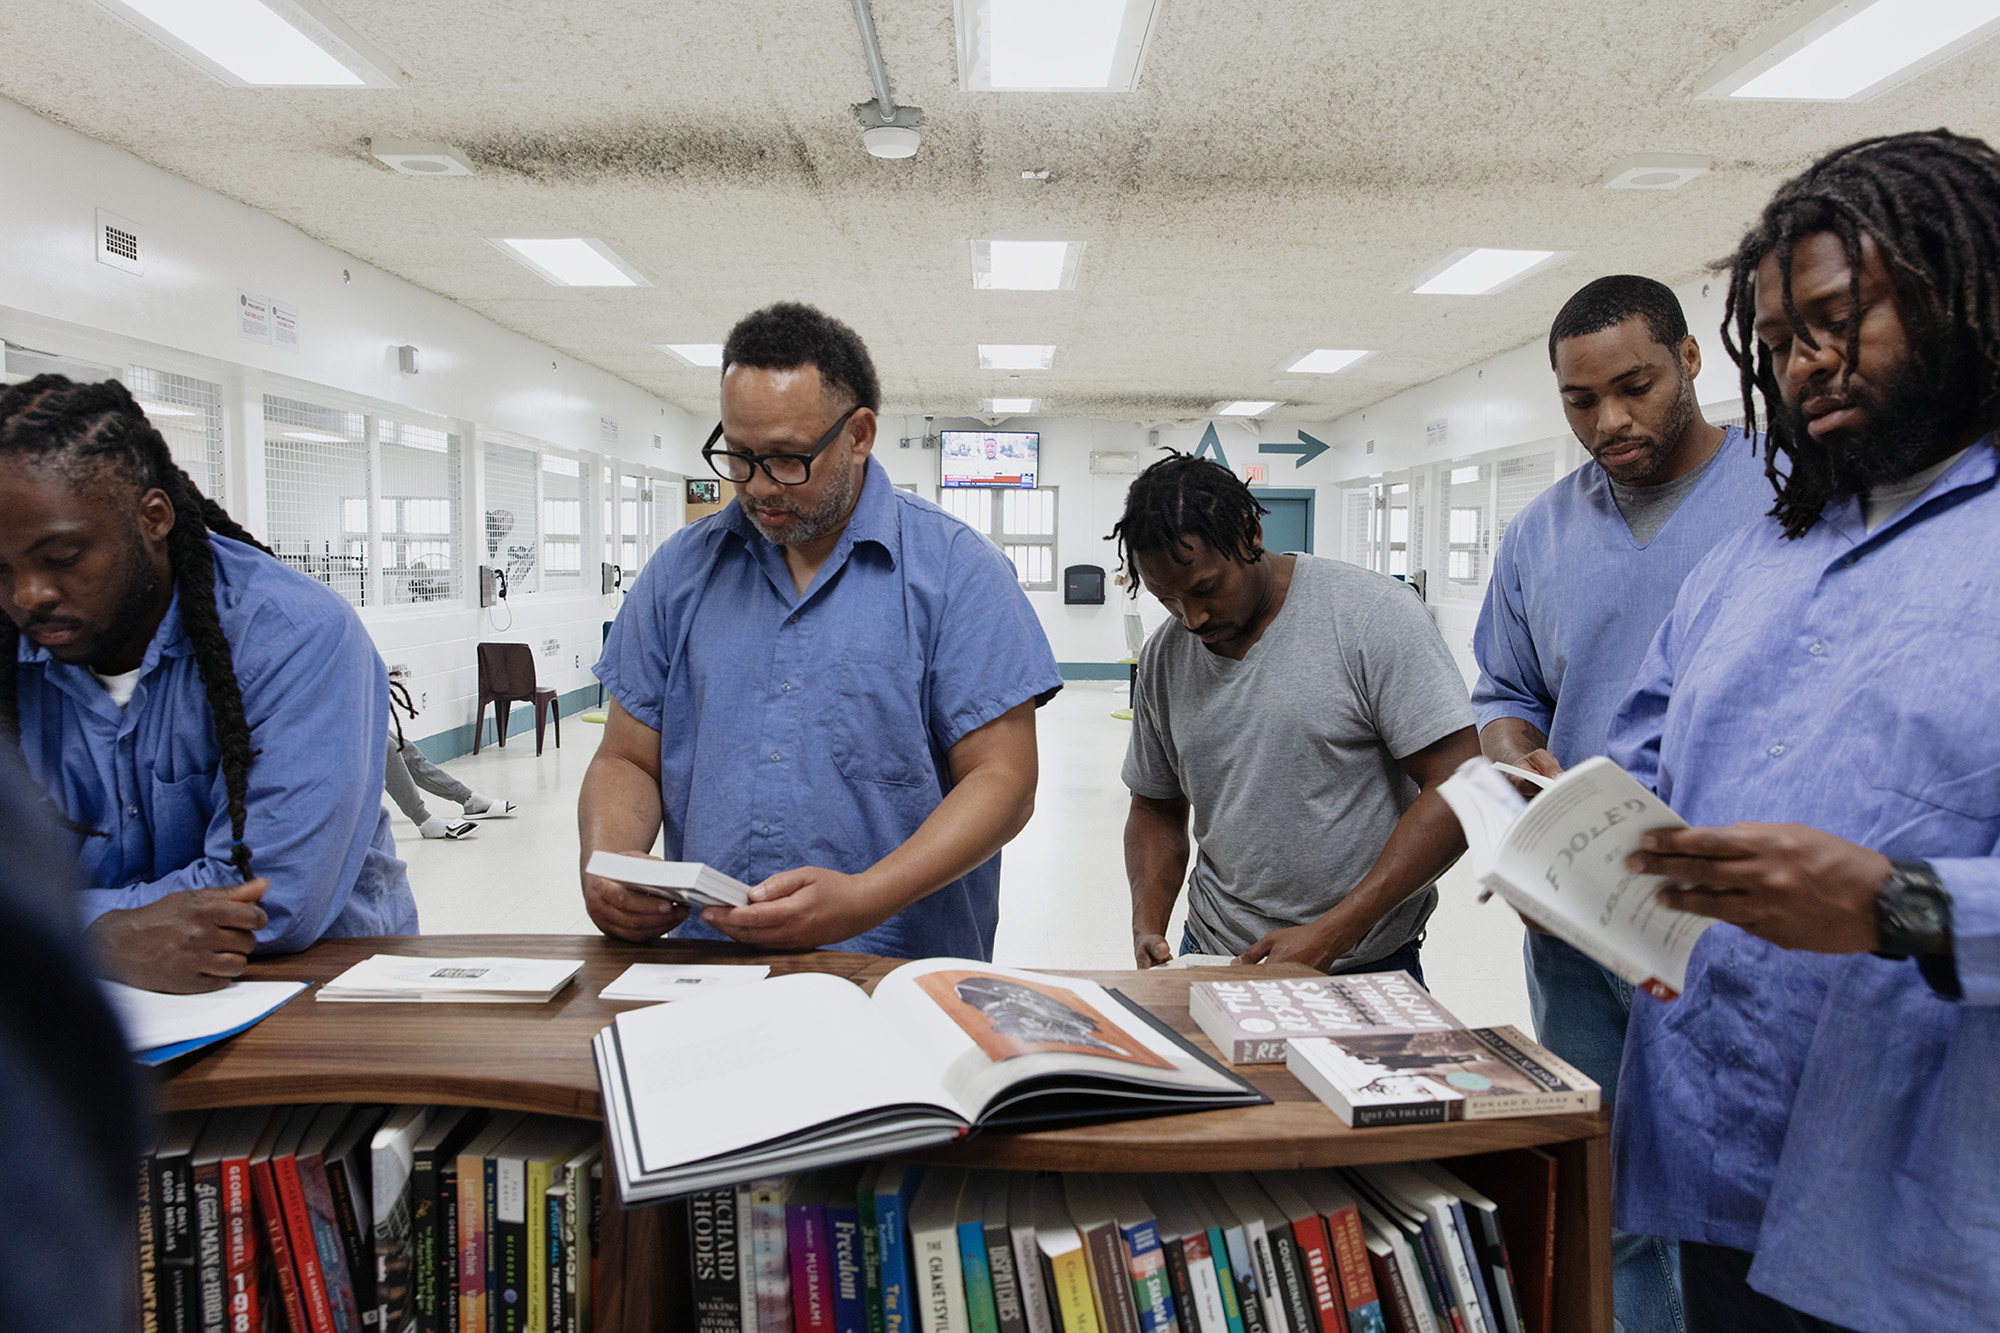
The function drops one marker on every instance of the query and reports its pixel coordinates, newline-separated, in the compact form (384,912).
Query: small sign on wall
(284,326)
(1434,433)
(1257,474)
(253,317)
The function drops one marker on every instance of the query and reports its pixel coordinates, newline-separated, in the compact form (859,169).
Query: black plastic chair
(507,677)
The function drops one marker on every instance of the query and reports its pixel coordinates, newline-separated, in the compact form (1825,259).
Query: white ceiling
(1282,167)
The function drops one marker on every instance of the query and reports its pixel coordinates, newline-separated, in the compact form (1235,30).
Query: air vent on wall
(1370,448)
(118,243)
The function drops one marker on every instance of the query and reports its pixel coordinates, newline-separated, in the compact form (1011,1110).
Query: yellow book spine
(538,1247)
(472,1242)
(1073,1293)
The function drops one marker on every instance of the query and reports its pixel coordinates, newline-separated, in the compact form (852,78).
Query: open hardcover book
(809,1070)
(1560,862)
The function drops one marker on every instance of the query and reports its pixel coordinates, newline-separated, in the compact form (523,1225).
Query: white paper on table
(152,1019)
(446,978)
(679,981)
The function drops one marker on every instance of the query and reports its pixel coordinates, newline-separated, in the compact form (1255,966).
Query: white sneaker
(437,827)
(494,810)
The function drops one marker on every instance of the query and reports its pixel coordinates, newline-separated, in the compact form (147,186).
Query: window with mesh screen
(669,508)
(1357,538)
(418,514)
(188,414)
(1518,481)
(1468,506)
(316,489)
(563,482)
(635,515)
(512,539)
(1022,523)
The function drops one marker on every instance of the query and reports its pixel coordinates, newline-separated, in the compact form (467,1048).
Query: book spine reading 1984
(239,1248)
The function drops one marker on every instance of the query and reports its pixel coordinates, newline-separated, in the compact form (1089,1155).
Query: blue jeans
(1580,1013)
(1404,959)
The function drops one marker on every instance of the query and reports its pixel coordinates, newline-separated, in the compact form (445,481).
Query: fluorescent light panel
(706,355)
(252,44)
(1011,406)
(1244,408)
(571,261)
(1025,266)
(1051,45)
(1016,356)
(1852,50)
(1484,271)
(1324,361)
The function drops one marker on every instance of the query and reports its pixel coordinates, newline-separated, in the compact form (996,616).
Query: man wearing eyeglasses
(826,690)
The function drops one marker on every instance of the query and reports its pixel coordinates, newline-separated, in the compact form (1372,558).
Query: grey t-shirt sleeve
(1401,668)
(1151,764)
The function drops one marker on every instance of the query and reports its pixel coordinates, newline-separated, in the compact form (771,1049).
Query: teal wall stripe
(1094,670)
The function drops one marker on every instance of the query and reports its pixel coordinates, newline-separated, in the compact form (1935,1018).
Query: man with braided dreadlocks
(1815,1117)
(207,721)
(1301,711)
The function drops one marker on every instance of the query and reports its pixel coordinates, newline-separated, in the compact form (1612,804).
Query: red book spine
(305,1251)
(264,1178)
(1350,1254)
(1310,1233)
(239,1250)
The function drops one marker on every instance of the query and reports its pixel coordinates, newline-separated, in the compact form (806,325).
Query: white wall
(200,249)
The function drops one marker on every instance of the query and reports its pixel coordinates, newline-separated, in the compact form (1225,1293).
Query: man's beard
(1658,448)
(135,607)
(1908,429)
(824,517)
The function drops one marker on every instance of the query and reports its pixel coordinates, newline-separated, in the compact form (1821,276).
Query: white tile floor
(1063,901)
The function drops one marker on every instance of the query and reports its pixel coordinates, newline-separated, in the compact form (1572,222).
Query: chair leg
(478,726)
(555,713)
(541,725)
(501,707)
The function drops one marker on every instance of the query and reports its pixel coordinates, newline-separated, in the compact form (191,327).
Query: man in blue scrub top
(826,690)
(206,721)
(1584,576)
(1817,1117)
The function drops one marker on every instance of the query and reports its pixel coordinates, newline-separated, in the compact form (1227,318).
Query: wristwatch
(1912,912)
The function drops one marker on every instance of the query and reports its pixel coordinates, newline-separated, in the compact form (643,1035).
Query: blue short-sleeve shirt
(812,729)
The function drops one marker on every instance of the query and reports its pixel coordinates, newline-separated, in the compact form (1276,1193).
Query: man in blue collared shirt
(1814,1118)
(206,720)
(1583,578)
(827,690)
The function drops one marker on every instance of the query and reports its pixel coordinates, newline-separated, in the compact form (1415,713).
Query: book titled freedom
(1409,1078)
(1249,1020)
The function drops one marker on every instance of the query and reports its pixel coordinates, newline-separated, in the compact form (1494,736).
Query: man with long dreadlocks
(1301,711)
(207,721)
(1814,1118)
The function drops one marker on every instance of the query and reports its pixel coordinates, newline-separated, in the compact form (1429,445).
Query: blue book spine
(892,1212)
(1218,1252)
(850,1295)
(1149,1279)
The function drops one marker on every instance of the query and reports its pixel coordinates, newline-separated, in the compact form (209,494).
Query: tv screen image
(989,457)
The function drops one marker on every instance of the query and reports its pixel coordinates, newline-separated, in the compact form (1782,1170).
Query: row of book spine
(368,1219)
(895,1247)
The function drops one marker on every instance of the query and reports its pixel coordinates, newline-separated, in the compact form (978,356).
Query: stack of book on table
(388,977)
(1378,1049)
(393,1219)
(895,1246)
(707,1091)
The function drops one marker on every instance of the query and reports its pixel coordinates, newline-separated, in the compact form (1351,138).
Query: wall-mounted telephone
(611,577)
(492,585)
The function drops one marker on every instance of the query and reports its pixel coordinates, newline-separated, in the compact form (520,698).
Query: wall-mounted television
(1006,458)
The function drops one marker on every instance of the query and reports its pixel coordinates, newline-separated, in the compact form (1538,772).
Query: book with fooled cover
(705,1091)
(1250,1019)
(1408,1078)
(1559,861)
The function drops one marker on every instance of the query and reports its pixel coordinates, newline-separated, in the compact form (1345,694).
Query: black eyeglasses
(785,469)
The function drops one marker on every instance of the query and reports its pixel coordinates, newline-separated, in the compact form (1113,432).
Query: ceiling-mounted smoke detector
(1654,171)
(416,158)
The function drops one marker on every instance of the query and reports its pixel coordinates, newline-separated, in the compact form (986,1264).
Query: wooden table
(537,1057)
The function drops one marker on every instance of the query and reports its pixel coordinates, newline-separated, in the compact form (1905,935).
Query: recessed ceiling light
(1482,272)
(1043,45)
(1011,407)
(1848,51)
(414,158)
(1654,171)
(706,355)
(571,261)
(1244,408)
(1016,356)
(250,44)
(1324,361)
(1025,266)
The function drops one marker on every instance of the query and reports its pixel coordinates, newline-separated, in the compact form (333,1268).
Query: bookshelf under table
(537,1057)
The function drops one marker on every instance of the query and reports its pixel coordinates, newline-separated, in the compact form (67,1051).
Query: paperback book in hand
(1560,862)
(706,1092)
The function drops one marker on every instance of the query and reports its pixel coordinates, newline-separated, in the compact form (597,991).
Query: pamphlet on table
(159,1027)
(389,977)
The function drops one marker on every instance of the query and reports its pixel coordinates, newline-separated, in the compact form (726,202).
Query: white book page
(988,1028)
(721,1072)
(152,1019)
(1564,858)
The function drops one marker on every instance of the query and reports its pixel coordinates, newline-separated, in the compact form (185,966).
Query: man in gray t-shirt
(1301,710)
